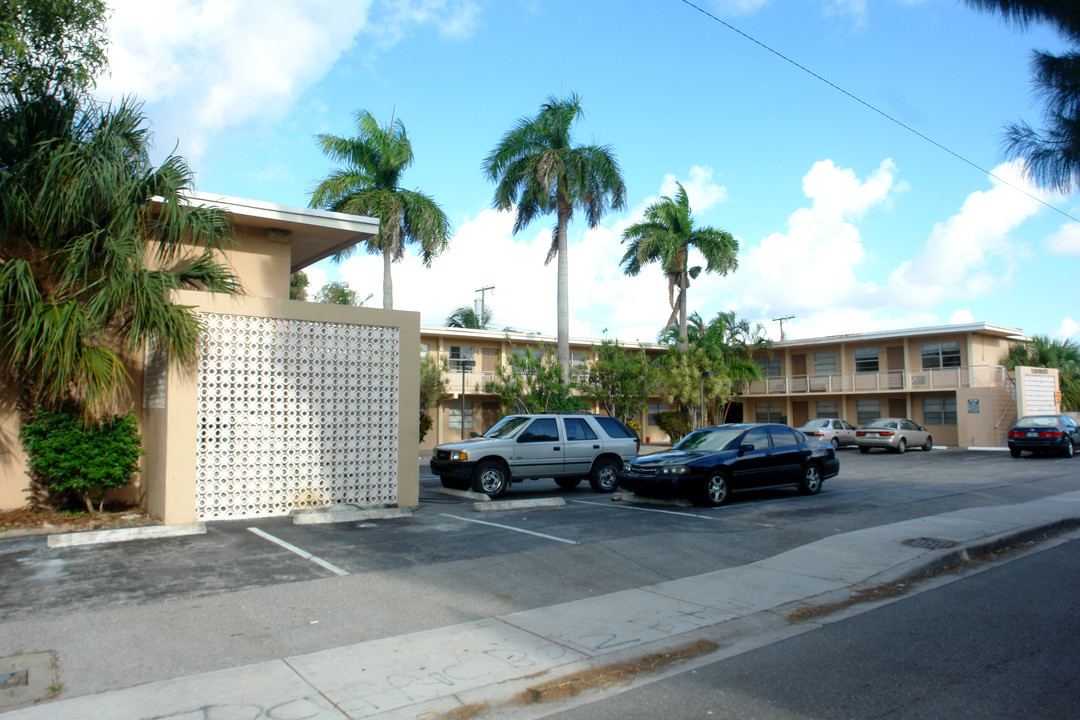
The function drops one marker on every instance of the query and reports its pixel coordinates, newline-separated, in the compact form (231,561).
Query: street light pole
(465,365)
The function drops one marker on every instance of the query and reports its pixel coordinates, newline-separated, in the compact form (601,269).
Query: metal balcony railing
(913,380)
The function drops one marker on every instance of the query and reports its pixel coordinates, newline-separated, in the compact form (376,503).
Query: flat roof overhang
(313,235)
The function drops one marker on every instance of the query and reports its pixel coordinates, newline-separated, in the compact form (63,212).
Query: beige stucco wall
(262,265)
(170,436)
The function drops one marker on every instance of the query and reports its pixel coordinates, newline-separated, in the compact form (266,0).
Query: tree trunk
(684,342)
(387,282)
(563,295)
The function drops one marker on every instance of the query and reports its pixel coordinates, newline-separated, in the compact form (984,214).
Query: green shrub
(675,424)
(85,460)
(425,424)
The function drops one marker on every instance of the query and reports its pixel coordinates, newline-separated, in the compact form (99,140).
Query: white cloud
(961,317)
(809,271)
(1069,328)
(854,9)
(1066,241)
(969,255)
(210,65)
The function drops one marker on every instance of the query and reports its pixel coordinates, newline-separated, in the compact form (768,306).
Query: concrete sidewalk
(489,666)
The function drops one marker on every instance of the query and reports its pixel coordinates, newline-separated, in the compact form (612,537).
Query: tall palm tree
(665,236)
(1052,155)
(537,167)
(467,317)
(88,259)
(370,184)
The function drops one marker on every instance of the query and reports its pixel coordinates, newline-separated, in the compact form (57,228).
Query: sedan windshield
(506,427)
(713,439)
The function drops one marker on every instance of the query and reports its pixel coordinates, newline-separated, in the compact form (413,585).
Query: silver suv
(564,446)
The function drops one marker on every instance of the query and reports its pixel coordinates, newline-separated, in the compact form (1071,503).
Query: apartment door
(798,365)
(489,415)
(800,412)
(489,358)
(894,358)
(897,407)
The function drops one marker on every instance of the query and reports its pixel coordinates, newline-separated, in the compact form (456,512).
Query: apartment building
(948,378)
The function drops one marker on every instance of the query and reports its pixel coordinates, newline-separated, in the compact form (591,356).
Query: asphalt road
(529,558)
(1002,643)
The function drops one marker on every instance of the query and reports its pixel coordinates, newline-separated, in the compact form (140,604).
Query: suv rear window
(614,428)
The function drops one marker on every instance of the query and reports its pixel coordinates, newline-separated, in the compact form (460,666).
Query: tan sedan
(893,434)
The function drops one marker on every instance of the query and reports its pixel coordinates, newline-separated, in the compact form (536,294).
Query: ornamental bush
(675,424)
(86,460)
(425,424)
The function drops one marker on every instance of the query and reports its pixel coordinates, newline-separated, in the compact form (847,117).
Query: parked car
(837,431)
(1044,434)
(712,463)
(894,434)
(564,446)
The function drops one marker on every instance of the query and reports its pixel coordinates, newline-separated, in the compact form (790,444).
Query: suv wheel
(490,478)
(604,477)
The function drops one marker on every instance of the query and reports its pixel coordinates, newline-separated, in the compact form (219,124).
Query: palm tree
(88,259)
(1052,155)
(665,236)
(1044,351)
(537,167)
(370,184)
(467,317)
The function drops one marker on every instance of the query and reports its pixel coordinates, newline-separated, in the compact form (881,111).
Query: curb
(497,505)
(464,494)
(143,532)
(327,516)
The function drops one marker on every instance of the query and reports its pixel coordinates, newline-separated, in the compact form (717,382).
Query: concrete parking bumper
(492,662)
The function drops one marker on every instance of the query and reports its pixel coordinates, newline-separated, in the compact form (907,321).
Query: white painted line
(302,553)
(646,509)
(508,527)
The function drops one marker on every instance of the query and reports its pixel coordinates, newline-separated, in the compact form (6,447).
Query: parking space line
(302,553)
(645,509)
(508,527)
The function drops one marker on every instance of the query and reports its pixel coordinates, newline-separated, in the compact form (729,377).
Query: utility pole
(482,291)
(781,321)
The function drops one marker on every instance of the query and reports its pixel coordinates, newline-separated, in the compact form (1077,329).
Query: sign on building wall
(1037,390)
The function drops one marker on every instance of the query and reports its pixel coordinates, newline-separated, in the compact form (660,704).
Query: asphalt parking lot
(592,544)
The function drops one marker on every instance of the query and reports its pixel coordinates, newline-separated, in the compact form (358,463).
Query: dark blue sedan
(1058,434)
(712,463)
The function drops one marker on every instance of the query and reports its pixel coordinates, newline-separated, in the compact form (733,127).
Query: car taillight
(1017,433)
(885,433)
(816,434)
(860,433)
(1051,434)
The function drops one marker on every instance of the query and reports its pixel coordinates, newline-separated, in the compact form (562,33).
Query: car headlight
(458,456)
(626,467)
(674,470)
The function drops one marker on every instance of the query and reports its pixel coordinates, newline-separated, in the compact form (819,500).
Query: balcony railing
(914,380)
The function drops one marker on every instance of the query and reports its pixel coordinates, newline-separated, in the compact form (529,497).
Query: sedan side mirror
(746,447)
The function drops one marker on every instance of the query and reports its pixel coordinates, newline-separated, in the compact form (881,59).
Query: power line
(882,113)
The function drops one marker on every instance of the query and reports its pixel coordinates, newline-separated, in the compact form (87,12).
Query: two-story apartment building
(947,378)
(474,356)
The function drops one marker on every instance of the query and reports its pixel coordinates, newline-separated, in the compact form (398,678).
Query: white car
(832,430)
(893,434)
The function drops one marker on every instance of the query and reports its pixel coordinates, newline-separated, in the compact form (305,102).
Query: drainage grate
(930,543)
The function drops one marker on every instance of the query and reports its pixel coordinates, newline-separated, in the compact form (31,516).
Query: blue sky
(845,220)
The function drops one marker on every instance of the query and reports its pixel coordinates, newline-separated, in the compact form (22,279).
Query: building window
(824,363)
(655,409)
(425,348)
(940,355)
(770,366)
(866,360)
(768,412)
(458,355)
(867,410)
(828,409)
(455,415)
(939,411)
